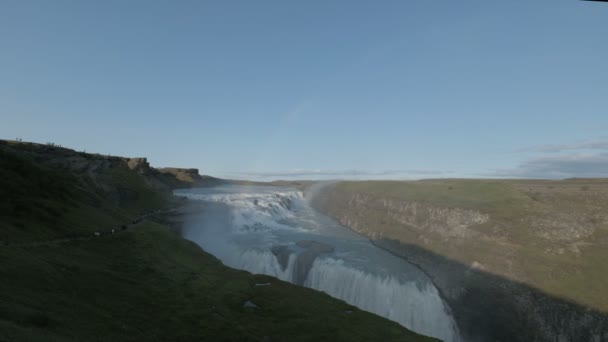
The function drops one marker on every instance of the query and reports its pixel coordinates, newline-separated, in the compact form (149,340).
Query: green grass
(143,284)
(150,285)
(489,196)
(43,202)
(510,243)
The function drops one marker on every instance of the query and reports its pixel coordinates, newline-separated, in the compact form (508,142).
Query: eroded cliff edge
(516,260)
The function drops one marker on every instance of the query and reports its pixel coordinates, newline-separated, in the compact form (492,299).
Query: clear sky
(314,89)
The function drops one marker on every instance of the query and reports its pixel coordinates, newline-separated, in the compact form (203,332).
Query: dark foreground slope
(517,260)
(59,281)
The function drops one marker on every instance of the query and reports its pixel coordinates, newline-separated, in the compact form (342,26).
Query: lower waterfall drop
(413,305)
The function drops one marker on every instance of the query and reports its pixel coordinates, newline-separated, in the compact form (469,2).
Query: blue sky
(315,89)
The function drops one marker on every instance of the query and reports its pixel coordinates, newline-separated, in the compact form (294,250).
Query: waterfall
(412,304)
(265,263)
(273,231)
(416,306)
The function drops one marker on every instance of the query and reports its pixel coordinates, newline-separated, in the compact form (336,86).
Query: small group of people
(124,226)
(112,232)
(101,233)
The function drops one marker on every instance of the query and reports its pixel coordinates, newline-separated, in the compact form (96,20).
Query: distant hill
(84,256)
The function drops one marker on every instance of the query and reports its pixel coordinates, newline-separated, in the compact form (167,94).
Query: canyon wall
(489,263)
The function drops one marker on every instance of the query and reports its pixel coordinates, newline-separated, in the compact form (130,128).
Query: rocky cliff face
(98,165)
(76,161)
(140,165)
(476,262)
(422,217)
(185,175)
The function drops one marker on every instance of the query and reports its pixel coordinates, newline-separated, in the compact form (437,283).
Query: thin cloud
(315,174)
(563,166)
(588,145)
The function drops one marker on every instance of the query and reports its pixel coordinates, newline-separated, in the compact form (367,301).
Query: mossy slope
(58,282)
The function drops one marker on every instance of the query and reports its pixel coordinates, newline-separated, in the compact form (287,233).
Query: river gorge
(274,231)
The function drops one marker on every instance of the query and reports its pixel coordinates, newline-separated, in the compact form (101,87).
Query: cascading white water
(416,306)
(273,231)
(265,263)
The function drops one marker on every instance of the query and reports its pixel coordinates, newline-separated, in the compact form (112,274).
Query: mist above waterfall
(273,231)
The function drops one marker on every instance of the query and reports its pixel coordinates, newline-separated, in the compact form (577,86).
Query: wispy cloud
(563,166)
(587,145)
(337,174)
(579,159)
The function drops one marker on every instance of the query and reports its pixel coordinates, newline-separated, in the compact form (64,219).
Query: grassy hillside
(552,235)
(60,282)
(53,192)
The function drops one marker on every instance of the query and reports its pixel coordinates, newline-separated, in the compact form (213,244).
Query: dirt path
(93,235)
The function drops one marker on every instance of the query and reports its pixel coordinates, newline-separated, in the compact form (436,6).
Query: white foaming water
(417,306)
(263,230)
(261,210)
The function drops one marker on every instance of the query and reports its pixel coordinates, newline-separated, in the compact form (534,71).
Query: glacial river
(274,231)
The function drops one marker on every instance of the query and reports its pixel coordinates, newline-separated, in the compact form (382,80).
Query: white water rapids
(273,231)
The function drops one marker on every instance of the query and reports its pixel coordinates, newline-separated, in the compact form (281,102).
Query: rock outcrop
(420,216)
(140,165)
(97,165)
(308,251)
(184,175)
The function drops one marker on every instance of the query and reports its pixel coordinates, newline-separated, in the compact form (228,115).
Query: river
(274,231)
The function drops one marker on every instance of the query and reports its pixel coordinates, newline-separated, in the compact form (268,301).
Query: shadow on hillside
(488,307)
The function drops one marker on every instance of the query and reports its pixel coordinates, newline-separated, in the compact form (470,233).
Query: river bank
(438,225)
